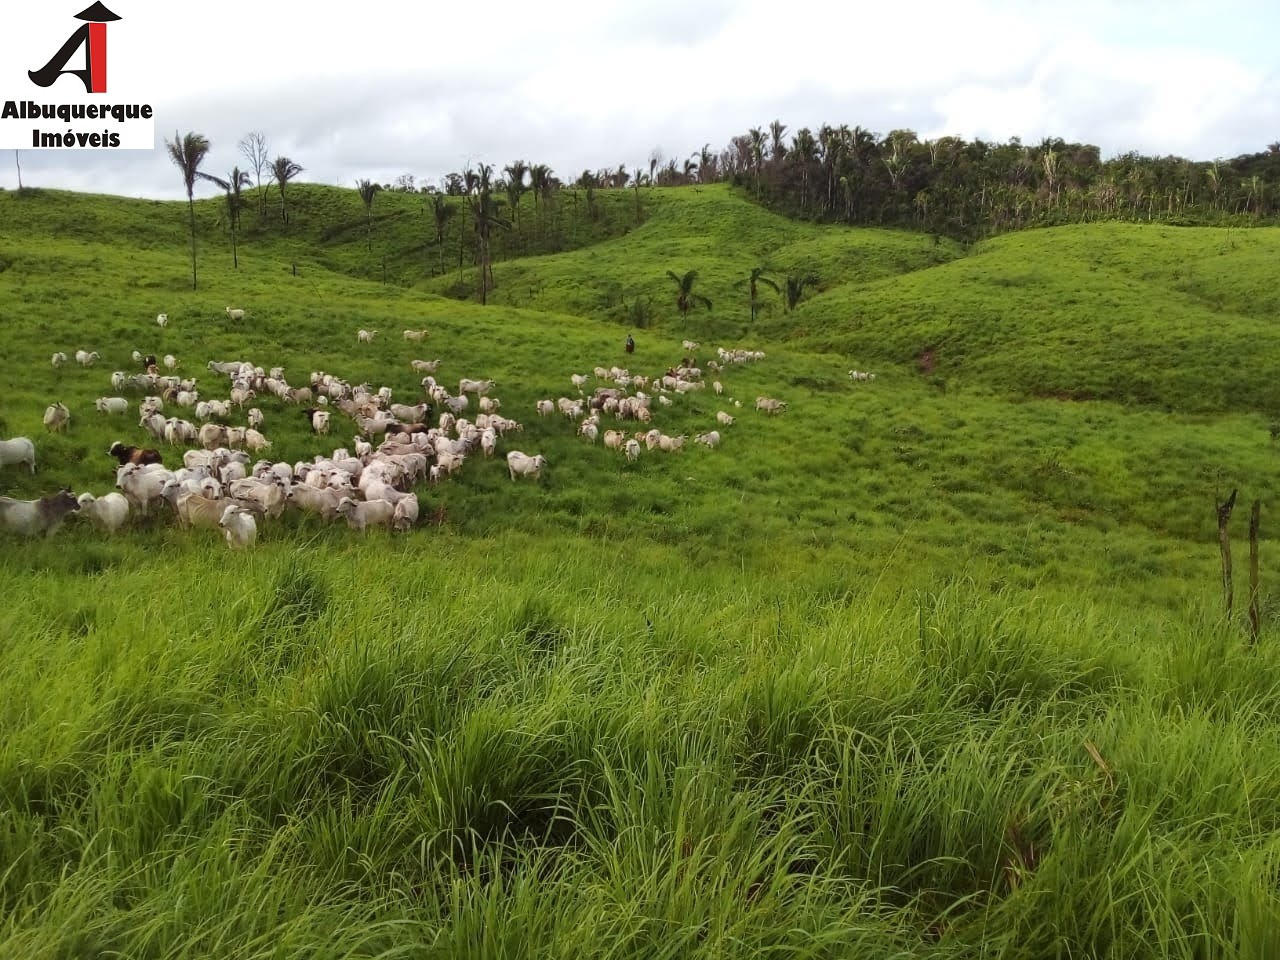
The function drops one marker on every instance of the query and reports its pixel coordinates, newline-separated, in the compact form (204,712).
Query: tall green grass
(927,666)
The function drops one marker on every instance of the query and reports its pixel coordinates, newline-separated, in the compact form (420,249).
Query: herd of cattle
(216,487)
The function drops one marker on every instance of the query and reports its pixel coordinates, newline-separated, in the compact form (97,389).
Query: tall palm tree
(484,211)
(539,173)
(515,185)
(686,299)
(442,211)
(777,149)
(235,182)
(368,190)
(757,153)
(637,180)
(706,164)
(804,153)
(756,278)
(282,171)
(187,154)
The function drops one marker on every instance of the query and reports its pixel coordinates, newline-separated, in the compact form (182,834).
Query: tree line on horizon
(947,186)
(965,189)
(973,188)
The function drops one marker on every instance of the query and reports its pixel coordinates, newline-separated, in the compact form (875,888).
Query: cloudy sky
(390,87)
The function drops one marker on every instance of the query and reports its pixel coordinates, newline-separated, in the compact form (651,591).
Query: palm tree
(282,171)
(637,180)
(187,154)
(777,148)
(1214,176)
(539,173)
(484,210)
(706,164)
(804,152)
(442,210)
(368,190)
(757,153)
(686,299)
(795,288)
(515,185)
(238,180)
(757,277)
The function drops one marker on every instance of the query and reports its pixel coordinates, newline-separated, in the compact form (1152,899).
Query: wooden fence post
(1254,518)
(1224,544)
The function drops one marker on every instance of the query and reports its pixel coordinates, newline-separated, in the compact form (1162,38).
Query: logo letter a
(93,35)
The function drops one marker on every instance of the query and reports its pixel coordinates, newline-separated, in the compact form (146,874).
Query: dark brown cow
(127,454)
(406,428)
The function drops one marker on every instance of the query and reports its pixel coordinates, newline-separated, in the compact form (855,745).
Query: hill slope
(1180,317)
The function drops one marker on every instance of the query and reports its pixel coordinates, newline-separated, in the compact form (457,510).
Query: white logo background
(32,33)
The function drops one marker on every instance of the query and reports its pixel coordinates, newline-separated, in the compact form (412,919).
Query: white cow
(524,465)
(18,450)
(239,526)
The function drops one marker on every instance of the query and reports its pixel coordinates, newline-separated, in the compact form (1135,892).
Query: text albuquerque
(69,113)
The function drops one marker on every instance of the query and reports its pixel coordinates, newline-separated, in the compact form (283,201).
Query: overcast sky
(384,88)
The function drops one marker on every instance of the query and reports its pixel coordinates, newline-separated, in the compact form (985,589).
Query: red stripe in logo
(98,57)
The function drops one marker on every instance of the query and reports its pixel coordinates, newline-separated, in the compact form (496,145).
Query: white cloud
(410,87)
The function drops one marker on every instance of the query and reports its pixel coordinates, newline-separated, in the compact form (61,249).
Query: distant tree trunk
(19,163)
(235,256)
(1224,544)
(191,205)
(1254,520)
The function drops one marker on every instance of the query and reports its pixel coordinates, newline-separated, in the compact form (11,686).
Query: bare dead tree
(254,149)
(19,163)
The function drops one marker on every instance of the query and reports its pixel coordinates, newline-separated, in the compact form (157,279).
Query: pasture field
(932,665)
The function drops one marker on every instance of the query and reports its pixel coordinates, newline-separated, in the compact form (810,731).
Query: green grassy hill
(931,665)
(1180,318)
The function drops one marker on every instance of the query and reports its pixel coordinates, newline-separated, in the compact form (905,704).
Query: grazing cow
(405,514)
(30,518)
(57,416)
(319,419)
(125,454)
(362,514)
(108,512)
(18,450)
(239,526)
(524,465)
